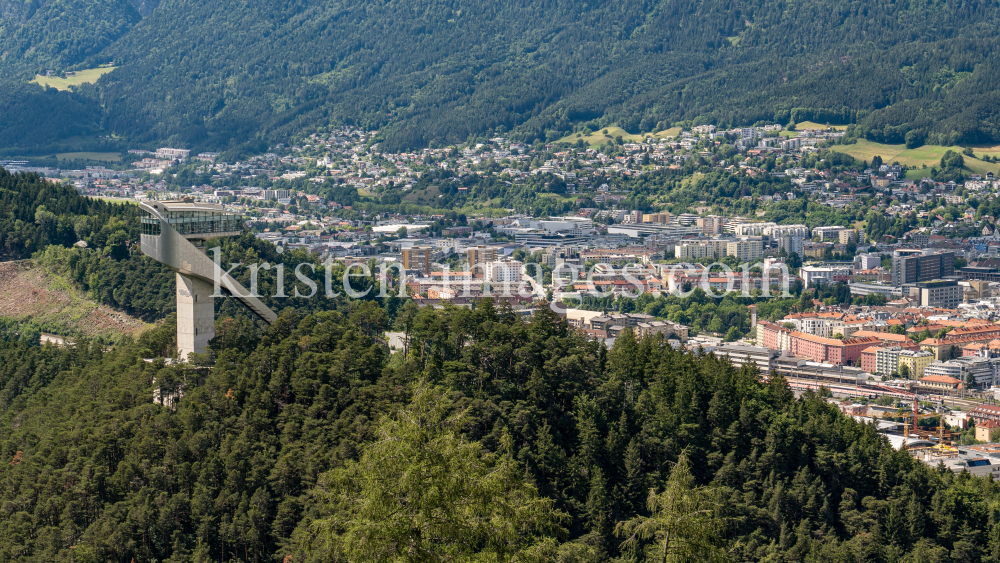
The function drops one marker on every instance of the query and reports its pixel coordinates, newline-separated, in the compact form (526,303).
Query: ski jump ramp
(173,233)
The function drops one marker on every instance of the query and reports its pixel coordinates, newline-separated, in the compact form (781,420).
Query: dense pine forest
(236,74)
(489,439)
(35,213)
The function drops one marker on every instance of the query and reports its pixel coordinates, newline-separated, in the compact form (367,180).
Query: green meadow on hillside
(598,138)
(88,76)
(927,155)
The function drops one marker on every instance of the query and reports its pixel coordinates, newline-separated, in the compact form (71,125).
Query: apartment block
(418,258)
(828,233)
(479,256)
(913,268)
(701,249)
(943,294)
(916,362)
(711,225)
(829,350)
(778,231)
(847,236)
(275,194)
(791,244)
(504,272)
(887,361)
(773,336)
(172,154)
(745,250)
(632,217)
(656,218)
(867,261)
(752,229)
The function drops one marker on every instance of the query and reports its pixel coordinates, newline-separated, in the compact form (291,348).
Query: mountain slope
(454,68)
(38,35)
(227,72)
(59,33)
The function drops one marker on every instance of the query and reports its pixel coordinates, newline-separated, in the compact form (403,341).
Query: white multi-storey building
(745,250)
(172,154)
(711,225)
(778,231)
(811,275)
(791,244)
(820,326)
(829,233)
(701,249)
(752,229)
(868,261)
(632,217)
(504,272)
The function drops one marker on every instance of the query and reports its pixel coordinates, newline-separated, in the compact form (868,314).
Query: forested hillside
(284,449)
(35,213)
(225,73)
(58,33)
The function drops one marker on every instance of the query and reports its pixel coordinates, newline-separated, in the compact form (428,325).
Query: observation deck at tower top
(193,221)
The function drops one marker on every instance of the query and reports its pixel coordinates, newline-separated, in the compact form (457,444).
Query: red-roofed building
(868,359)
(985,428)
(974,349)
(888,338)
(940,382)
(829,350)
(960,338)
(983,413)
(770,335)
(932,328)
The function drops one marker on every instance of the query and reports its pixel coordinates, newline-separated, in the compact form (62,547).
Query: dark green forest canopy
(223,74)
(35,213)
(94,471)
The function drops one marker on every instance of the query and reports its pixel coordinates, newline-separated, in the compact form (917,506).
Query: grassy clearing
(983,150)
(929,155)
(918,174)
(598,138)
(809,125)
(561,198)
(813,125)
(424,196)
(106,156)
(88,76)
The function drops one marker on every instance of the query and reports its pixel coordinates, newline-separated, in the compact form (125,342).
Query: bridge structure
(174,234)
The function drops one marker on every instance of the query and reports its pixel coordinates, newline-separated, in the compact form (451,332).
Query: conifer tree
(422,493)
(685,521)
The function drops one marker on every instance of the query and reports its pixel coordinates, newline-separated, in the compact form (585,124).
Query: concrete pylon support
(197,274)
(195,315)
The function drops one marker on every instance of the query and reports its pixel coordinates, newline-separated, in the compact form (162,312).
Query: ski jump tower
(174,233)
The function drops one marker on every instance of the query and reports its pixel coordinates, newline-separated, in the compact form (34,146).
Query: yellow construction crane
(916,428)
